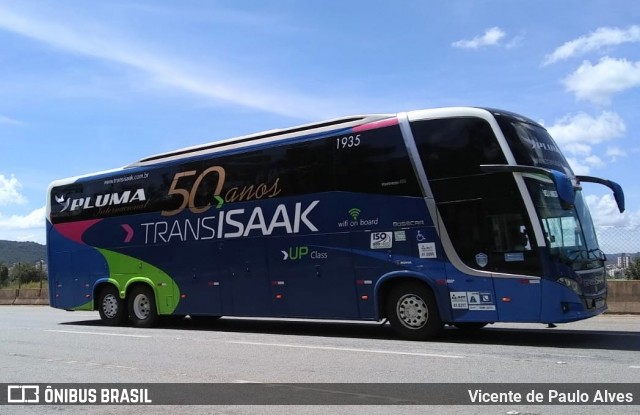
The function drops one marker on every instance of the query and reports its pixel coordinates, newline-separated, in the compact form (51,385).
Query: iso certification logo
(23,394)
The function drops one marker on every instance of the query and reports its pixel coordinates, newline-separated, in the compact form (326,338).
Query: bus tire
(112,308)
(142,306)
(413,312)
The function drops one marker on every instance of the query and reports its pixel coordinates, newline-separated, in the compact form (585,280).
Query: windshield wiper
(601,255)
(579,254)
(582,255)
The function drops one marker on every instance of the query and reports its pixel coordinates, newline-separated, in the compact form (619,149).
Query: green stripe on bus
(125,270)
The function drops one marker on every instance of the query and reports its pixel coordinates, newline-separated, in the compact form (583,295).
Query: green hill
(12,252)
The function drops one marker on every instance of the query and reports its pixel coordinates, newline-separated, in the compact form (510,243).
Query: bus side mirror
(618,194)
(564,187)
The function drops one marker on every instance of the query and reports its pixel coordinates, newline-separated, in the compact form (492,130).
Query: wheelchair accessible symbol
(420,237)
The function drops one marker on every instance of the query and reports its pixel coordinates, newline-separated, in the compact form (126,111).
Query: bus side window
(379,164)
(488,218)
(509,233)
(520,239)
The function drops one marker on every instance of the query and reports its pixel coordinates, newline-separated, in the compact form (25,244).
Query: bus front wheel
(112,308)
(413,312)
(142,306)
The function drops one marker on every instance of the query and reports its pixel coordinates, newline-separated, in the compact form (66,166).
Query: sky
(89,86)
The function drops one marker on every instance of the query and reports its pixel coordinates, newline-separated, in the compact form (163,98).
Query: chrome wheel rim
(412,311)
(141,306)
(110,305)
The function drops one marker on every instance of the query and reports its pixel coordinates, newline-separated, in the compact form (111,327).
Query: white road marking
(74,362)
(634,367)
(95,333)
(347,349)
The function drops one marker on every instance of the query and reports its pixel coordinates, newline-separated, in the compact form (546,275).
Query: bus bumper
(564,305)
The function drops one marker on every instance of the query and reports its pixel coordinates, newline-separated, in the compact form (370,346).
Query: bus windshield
(570,233)
(532,145)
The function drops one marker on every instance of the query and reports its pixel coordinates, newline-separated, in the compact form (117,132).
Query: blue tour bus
(459,216)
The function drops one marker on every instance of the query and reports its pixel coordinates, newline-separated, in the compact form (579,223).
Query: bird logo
(63,202)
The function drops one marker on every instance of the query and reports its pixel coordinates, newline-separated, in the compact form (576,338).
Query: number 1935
(348,141)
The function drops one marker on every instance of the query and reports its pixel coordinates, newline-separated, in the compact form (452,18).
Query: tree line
(20,274)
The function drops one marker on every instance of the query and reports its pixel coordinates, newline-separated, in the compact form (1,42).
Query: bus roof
(261,138)
(277,135)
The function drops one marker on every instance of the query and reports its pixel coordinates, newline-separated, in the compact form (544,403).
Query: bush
(25,273)
(633,271)
(4,275)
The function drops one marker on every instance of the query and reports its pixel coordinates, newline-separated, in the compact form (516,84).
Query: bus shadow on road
(547,337)
(532,337)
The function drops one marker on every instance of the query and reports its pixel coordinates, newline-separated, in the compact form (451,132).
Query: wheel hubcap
(110,305)
(412,311)
(141,306)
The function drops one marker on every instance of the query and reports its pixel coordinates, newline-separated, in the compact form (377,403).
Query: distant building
(624,261)
(613,271)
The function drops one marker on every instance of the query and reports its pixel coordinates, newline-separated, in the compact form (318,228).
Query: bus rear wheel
(112,308)
(413,312)
(142,307)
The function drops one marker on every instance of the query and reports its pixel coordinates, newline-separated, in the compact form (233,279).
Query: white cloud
(9,121)
(98,41)
(30,227)
(490,37)
(33,220)
(615,152)
(10,191)
(598,83)
(594,161)
(599,39)
(516,42)
(605,213)
(617,232)
(579,167)
(577,134)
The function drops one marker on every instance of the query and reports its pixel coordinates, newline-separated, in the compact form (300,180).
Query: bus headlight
(573,285)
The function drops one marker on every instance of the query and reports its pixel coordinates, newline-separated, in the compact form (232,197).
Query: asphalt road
(43,345)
